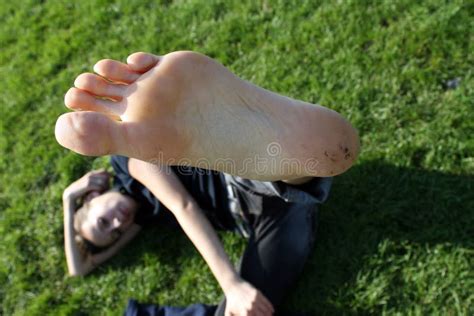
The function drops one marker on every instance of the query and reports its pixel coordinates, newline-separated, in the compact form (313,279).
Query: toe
(80,100)
(97,85)
(115,71)
(142,62)
(89,133)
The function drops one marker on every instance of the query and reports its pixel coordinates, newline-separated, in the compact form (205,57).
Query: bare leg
(186,108)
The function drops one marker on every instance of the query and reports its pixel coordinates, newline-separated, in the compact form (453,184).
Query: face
(110,214)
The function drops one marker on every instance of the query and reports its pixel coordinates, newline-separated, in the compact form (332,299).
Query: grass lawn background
(397,234)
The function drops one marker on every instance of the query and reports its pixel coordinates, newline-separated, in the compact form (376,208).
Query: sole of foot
(185,108)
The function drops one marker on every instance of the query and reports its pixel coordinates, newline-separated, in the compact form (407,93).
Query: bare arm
(168,189)
(80,262)
(99,258)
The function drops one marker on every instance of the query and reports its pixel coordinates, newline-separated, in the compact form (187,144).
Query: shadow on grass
(370,204)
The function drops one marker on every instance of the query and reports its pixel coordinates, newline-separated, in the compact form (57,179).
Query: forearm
(199,230)
(166,187)
(77,263)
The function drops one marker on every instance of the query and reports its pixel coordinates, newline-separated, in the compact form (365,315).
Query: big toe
(142,62)
(90,133)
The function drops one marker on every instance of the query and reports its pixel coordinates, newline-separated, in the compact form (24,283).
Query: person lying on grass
(272,158)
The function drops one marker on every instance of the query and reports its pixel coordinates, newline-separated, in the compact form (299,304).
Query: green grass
(396,236)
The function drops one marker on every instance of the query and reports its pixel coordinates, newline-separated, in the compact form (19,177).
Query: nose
(116,223)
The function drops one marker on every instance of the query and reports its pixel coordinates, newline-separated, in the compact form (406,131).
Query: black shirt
(206,187)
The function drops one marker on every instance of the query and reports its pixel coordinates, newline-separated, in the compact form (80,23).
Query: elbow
(77,272)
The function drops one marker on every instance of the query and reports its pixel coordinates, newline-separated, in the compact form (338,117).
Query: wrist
(230,282)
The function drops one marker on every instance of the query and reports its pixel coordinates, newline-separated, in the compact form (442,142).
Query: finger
(102,183)
(94,187)
(264,304)
(98,170)
(99,181)
(102,174)
(263,310)
(99,178)
(268,305)
(104,180)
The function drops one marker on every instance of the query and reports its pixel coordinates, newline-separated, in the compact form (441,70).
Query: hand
(97,180)
(244,299)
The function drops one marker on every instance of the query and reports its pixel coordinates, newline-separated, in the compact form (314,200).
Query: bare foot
(185,108)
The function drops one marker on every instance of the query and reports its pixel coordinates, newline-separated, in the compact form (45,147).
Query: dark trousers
(277,250)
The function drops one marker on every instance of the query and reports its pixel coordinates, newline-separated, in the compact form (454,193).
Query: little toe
(80,100)
(115,71)
(99,86)
(142,62)
(90,133)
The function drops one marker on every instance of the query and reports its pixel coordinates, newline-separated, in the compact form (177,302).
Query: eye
(103,223)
